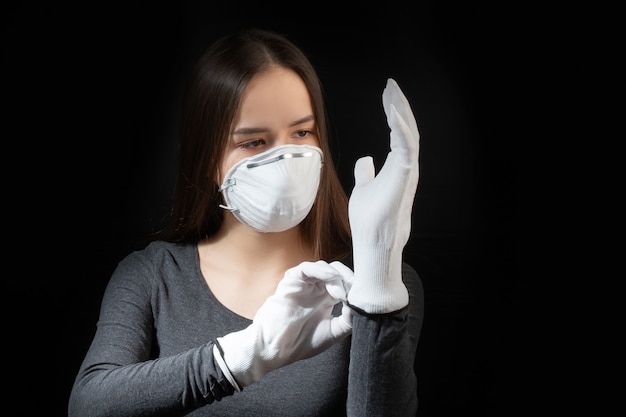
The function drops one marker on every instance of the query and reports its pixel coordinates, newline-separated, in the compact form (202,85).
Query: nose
(291,136)
(284,138)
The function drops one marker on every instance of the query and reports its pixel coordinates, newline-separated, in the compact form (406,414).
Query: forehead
(275,95)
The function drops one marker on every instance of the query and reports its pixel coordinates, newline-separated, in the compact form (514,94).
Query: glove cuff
(378,287)
(218,354)
(241,356)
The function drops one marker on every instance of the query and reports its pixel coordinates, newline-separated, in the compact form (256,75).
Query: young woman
(270,293)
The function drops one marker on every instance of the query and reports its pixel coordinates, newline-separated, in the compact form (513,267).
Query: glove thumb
(364,170)
(341,326)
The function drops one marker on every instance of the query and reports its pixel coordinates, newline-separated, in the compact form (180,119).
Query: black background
(94,93)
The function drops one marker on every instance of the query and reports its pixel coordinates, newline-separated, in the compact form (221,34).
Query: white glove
(294,323)
(380,212)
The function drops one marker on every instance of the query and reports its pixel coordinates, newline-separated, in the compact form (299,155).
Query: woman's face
(275,110)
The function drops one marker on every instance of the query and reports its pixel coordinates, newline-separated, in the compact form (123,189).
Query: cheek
(219,175)
(315,142)
(227,162)
(217,178)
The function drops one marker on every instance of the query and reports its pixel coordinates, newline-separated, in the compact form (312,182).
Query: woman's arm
(120,374)
(386,294)
(382,380)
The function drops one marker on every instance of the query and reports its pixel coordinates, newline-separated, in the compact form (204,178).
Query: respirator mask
(273,191)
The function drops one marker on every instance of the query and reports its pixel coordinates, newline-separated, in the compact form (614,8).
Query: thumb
(341,326)
(363,170)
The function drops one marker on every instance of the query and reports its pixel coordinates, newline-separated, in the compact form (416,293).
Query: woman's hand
(380,211)
(295,323)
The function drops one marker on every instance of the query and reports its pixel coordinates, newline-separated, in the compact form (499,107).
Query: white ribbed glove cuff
(241,356)
(219,358)
(377,286)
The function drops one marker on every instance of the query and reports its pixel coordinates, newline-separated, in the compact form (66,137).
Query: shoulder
(155,269)
(157,261)
(158,252)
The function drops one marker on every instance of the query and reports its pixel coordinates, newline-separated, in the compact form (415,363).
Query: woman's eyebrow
(303,120)
(249,130)
(256,130)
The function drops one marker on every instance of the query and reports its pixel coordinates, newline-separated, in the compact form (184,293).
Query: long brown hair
(209,106)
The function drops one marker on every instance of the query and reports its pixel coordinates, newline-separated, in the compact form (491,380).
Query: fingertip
(342,325)
(346,273)
(346,314)
(343,269)
(340,266)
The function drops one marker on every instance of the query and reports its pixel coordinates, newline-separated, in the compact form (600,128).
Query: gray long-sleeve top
(152,353)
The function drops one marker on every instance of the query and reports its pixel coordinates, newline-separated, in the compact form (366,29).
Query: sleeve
(382,380)
(120,375)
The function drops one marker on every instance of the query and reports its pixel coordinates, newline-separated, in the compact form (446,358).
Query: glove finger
(319,270)
(392,94)
(363,170)
(404,135)
(402,139)
(335,280)
(346,274)
(324,273)
(308,275)
(341,326)
(293,282)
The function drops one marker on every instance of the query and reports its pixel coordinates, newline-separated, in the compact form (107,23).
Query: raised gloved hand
(295,323)
(380,212)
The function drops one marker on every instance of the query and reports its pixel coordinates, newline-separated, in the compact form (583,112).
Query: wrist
(218,354)
(239,354)
(378,287)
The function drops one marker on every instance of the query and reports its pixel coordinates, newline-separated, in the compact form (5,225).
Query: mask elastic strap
(229,182)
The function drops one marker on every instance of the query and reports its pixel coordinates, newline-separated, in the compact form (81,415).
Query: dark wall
(101,89)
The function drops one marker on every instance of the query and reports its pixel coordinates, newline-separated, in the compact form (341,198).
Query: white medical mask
(274,190)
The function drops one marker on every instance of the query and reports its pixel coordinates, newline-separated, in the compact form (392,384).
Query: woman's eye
(251,144)
(303,133)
